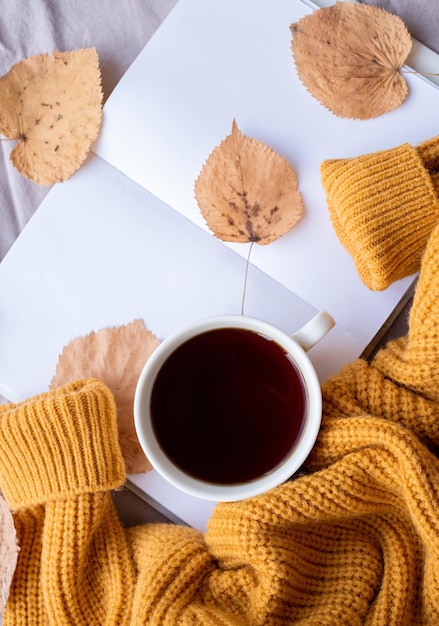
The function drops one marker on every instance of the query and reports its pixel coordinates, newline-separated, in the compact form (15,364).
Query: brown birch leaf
(247,192)
(349,58)
(52,106)
(115,356)
(8,552)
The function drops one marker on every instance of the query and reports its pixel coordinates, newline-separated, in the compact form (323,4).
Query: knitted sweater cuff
(383,207)
(59,444)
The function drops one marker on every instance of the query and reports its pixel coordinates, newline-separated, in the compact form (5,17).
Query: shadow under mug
(218,454)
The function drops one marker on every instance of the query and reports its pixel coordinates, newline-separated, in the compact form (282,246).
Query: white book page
(101,252)
(211,62)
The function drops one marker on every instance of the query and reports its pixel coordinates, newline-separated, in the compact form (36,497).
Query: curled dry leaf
(115,356)
(349,58)
(8,552)
(52,105)
(247,192)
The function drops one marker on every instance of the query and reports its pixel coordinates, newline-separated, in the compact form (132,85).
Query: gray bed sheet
(118,29)
(420,16)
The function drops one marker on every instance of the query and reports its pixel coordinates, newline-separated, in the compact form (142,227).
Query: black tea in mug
(228,405)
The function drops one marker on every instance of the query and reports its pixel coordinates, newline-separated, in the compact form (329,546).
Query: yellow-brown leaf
(247,192)
(52,105)
(115,356)
(8,552)
(349,58)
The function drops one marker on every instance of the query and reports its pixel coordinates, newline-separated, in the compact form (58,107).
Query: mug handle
(314,330)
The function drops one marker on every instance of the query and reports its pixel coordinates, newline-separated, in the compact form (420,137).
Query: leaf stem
(420,73)
(246,276)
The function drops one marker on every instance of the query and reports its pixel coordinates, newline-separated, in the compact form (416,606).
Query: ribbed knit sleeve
(59,444)
(383,207)
(59,457)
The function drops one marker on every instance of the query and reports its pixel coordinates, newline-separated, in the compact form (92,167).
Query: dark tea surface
(228,405)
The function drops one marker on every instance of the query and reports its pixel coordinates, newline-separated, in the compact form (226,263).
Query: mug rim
(237,491)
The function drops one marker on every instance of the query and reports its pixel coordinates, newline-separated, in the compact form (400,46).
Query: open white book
(124,238)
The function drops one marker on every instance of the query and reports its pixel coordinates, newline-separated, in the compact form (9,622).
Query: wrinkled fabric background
(118,29)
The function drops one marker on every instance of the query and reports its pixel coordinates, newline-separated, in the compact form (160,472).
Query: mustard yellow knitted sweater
(353,540)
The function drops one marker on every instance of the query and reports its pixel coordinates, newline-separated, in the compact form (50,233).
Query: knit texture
(383,207)
(48,446)
(59,457)
(352,540)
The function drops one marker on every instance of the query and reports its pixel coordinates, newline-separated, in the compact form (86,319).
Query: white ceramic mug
(292,347)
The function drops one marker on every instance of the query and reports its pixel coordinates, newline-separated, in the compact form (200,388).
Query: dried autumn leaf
(8,552)
(115,356)
(349,58)
(52,105)
(247,192)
